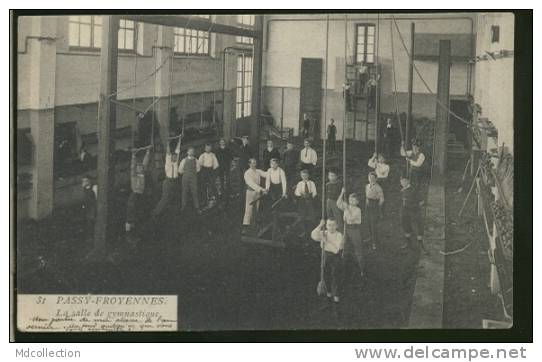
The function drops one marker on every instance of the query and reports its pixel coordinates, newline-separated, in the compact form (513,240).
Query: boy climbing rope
(331,243)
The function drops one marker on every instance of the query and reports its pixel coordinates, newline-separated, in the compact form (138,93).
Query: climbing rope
(321,288)
(345,100)
(377,90)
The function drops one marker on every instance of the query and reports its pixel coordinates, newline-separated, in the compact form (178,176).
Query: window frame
(134,37)
(364,52)
(184,36)
(94,25)
(245,88)
(245,40)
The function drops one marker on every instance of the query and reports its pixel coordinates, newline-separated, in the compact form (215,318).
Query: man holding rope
(253,179)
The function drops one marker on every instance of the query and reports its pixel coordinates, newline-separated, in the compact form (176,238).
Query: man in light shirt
(306,193)
(189,169)
(308,157)
(208,163)
(416,159)
(275,182)
(170,185)
(253,179)
(381,168)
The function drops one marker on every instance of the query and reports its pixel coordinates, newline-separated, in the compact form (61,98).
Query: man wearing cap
(415,159)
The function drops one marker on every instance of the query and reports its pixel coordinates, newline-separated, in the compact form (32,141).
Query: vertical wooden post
(442,115)
(106,128)
(281,111)
(256,81)
(408,127)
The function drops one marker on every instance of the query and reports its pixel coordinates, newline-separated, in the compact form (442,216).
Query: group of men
(289,175)
(278,176)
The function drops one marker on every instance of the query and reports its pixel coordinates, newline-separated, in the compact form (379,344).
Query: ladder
(360,118)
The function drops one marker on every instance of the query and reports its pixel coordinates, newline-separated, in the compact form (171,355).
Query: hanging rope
(395,84)
(377,87)
(321,289)
(344,111)
(135,85)
(325,121)
(445,107)
(170,103)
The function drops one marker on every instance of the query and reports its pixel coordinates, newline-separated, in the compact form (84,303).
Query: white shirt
(276,177)
(300,188)
(308,155)
(208,159)
(253,178)
(333,242)
(381,169)
(172,168)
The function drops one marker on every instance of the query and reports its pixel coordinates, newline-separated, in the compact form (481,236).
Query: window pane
(129,39)
(370,49)
(206,46)
(200,45)
(129,24)
(97,36)
(238,113)
(361,31)
(193,44)
(97,20)
(370,58)
(74,34)
(121,40)
(84,39)
(370,30)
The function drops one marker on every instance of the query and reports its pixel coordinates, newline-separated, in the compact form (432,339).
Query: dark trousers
(411,217)
(89,227)
(373,214)
(134,208)
(332,144)
(353,245)
(415,176)
(333,212)
(224,178)
(332,270)
(190,188)
(307,213)
(170,196)
(291,178)
(207,189)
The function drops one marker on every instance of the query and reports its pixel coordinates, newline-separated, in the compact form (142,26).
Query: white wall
(289,41)
(495,78)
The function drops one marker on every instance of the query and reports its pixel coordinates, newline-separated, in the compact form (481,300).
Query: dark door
(457,127)
(310,99)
